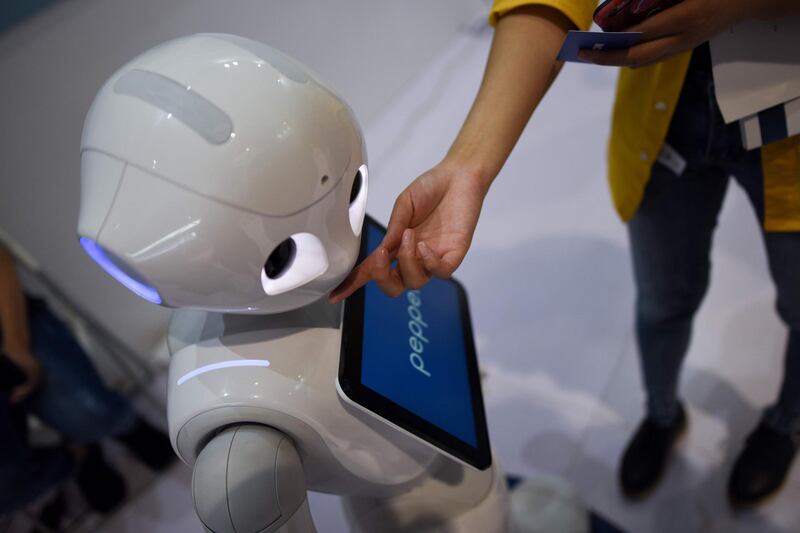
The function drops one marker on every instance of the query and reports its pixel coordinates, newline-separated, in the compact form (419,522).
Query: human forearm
(522,65)
(13,314)
(434,218)
(771,9)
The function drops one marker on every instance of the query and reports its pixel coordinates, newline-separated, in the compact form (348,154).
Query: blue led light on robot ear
(100,257)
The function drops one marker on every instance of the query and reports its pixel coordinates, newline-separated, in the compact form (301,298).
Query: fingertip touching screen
(412,361)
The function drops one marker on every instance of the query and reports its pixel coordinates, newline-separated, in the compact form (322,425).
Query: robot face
(219,174)
(303,257)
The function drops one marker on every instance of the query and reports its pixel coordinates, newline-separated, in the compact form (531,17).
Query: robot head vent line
(218,174)
(221,178)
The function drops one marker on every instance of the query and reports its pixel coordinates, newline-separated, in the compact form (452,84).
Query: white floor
(551,295)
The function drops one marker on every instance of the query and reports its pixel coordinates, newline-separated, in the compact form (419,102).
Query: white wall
(52,64)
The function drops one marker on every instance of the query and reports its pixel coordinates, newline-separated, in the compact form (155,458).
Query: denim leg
(670,240)
(73,399)
(783,250)
(26,473)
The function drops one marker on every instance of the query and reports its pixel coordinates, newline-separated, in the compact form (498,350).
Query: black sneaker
(150,445)
(100,484)
(761,467)
(52,513)
(645,458)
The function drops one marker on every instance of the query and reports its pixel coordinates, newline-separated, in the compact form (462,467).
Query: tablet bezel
(350,362)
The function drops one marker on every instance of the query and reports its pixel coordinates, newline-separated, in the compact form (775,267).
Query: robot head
(219,174)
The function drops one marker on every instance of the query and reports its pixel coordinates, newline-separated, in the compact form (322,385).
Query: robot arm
(249,478)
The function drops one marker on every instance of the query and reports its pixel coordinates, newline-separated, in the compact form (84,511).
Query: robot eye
(357,182)
(358,199)
(296,261)
(280,259)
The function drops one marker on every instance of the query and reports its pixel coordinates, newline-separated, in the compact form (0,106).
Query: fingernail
(423,249)
(407,235)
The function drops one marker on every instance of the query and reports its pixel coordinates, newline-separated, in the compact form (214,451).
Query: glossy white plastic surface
(343,450)
(453,498)
(287,135)
(195,215)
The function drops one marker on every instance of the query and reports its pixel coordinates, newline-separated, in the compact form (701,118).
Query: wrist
(469,169)
(475,177)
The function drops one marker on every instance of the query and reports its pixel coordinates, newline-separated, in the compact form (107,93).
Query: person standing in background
(45,372)
(665,100)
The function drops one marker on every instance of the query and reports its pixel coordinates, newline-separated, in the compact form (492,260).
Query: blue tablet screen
(413,352)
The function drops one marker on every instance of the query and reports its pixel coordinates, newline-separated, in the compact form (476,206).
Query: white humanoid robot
(220,177)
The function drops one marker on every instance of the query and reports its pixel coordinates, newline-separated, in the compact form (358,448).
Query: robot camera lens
(357,182)
(280,259)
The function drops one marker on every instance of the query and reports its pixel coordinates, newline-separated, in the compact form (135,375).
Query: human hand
(675,30)
(31,368)
(429,233)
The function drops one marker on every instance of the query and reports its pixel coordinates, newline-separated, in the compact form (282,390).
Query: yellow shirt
(640,126)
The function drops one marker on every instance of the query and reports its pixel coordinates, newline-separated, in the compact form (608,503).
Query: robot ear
(296,261)
(358,200)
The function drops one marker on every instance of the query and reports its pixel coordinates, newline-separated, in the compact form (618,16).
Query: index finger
(359,277)
(402,215)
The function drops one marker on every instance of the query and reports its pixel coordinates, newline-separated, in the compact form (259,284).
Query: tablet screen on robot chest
(411,360)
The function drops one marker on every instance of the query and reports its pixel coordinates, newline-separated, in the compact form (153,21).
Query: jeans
(72,399)
(671,237)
